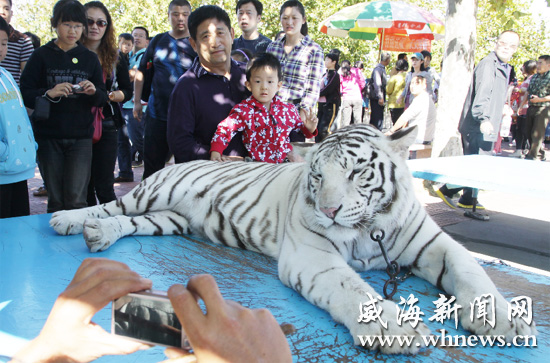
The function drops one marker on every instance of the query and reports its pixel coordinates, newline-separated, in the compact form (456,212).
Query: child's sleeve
(227,129)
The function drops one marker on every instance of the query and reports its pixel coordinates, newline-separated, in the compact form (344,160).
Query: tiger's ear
(402,139)
(302,149)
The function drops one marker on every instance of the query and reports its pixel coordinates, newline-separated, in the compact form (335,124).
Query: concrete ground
(518,231)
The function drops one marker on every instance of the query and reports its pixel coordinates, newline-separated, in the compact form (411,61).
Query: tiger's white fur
(315,218)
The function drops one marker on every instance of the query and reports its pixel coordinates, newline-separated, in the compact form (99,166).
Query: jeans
(130,141)
(326,114)
(104,153)
(350,107)
(14,200)
(155,148)
(376,114)
(66,171)
(472,144)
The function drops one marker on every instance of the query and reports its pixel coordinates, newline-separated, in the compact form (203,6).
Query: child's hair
(108,49)
(298,5)
(4,26)
(241,55)
(126,36)
(346,68)
(262,60)
(34,39)
(69,10)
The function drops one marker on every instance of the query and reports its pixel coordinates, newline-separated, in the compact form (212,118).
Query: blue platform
(36,264)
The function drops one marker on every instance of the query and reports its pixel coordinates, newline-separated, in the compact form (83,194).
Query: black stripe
(442,273)
(419,255)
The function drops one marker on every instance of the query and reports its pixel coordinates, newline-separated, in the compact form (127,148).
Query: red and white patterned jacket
(266,135)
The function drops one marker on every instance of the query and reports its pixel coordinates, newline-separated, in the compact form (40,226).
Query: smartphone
(148,317)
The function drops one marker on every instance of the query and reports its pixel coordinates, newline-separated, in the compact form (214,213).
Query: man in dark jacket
(482,113)
(378,97)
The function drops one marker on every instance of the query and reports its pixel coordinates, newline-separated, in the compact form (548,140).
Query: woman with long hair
(101,40)
(66,80)
(329,97)
(302,61)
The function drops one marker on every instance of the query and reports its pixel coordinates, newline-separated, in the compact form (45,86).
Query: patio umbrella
(399,24)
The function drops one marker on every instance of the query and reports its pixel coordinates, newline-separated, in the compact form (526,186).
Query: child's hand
(310,119)
(215,156)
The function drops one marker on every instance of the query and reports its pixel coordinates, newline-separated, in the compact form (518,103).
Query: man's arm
(138,89)
(181,125)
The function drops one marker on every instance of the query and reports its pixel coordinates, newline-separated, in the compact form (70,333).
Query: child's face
(3,45)
(264,84)
(68,33)
(125,46)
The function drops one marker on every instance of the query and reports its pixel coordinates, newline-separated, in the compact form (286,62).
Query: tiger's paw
(99,234)
(67,222)
(390,337)
(502,325)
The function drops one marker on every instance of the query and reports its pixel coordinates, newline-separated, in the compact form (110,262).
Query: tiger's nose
(331,212)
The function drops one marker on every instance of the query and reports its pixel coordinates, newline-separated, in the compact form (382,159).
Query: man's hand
(138,110)
(381,101)
(228,332)
(69,335)
(486,127)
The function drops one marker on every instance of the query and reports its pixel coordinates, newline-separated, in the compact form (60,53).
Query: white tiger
(315,218)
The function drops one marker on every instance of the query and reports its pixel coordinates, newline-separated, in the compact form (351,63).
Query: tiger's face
(352,177)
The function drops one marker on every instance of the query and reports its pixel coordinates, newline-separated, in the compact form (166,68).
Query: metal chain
(392,268)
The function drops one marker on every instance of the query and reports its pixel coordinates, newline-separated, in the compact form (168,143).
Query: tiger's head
(356,176)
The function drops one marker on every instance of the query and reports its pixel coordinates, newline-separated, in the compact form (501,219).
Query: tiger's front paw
(67,222)
(389,337)
(499,324)
(99,234)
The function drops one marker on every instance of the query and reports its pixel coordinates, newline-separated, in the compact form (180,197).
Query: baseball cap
(418,56)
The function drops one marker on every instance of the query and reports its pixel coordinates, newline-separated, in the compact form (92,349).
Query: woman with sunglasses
(66,80)
(101,40)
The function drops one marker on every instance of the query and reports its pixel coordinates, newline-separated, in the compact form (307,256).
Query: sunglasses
(99,23)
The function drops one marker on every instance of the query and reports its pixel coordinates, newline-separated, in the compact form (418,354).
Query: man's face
(542,66)
(248,18)
(178,18)
(140,38)
(5,10)
(506,46)
(213,43)
(418,85)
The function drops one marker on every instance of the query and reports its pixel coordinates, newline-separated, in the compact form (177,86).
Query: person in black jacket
(101,39)
(329,97)
(68,76)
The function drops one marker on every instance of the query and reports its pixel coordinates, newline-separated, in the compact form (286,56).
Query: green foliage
(493,17)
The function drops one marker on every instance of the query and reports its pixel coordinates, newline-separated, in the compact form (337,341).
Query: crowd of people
(197,92)
(141,100)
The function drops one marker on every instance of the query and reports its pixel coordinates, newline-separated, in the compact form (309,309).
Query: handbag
(98,123)
(41,109)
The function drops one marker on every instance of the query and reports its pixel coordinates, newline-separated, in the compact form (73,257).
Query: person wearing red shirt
(265,120)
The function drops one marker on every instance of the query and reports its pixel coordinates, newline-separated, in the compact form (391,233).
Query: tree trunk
(458,65)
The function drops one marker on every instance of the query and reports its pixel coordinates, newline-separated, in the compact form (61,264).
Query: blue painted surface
(36,264)
(486,172)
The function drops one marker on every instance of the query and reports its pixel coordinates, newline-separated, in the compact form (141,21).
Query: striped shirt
(18,52)
(303,70)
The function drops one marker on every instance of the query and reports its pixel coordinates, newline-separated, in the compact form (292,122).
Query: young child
(17,145)
(265,120)
(125,45)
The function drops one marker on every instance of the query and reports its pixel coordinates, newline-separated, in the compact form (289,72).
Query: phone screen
(147,317)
